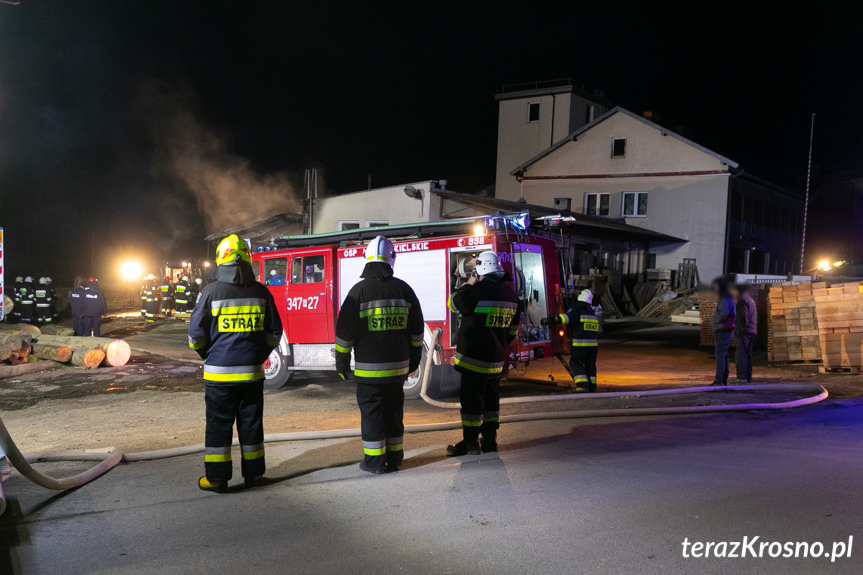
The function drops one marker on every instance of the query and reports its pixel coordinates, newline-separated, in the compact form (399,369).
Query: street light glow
(131,271)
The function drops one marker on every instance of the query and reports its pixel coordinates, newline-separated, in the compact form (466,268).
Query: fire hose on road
(110,458)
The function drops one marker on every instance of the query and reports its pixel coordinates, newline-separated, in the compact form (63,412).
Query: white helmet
(42,281)
(586,296)
(487,263)
(274,273)
(48,280)
(150,277)
(19,279)
(199,281)
(381,250)
(28,279)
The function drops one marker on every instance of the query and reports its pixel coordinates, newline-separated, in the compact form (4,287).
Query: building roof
(549,87)
(272,226)
(617,110)
(596,227)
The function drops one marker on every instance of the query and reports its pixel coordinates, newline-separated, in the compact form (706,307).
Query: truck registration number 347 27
(297,303)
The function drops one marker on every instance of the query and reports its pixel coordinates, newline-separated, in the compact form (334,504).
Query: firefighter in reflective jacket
(490,317)
(382,322)
(234,328)
(181,294)
(27,295)
(166,292)
(583,327)
(42,297)
(16,298)
(150,298)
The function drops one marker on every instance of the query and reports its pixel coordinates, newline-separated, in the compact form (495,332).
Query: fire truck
(310,276)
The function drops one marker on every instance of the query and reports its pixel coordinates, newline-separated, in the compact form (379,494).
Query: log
(117,353)
(89,358)
(22,328)
(24,350)
(24,368)
(75,340)
(56,353)
(11,341)
(57,330)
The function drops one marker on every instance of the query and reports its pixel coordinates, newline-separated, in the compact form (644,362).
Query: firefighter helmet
(381,250)
(48,280)
(232,249)
(150,277)
(487,263)
(28,279)
(19,279)
(199,281)
(586,296)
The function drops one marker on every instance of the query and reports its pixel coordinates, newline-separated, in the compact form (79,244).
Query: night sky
(122,120)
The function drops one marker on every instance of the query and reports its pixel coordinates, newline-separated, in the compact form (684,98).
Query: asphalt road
(604,496)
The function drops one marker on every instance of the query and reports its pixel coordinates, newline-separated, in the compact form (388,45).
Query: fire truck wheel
(276,371)
(413,384)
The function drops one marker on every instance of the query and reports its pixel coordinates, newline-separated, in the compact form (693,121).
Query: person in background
(43,303)
(76,306)
(95,307)
(746,328)
(181,294)
(275,279)
(28,300)
(583,328)
(723,328)
(16,299)
(194,291)
(167,291)
(52,293)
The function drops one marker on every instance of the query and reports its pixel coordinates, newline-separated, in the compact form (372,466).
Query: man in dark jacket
(723,328)
(95,307)
(746,329)
(181,294)
(382,322)
(234,328)
(76,307)
(490,316)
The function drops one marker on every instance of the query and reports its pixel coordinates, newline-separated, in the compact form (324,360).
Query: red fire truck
(311,275)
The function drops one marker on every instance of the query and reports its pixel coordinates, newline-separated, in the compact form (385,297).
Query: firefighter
(490,317)
(275,279)
(166,290)
(43,303)
(76,306)
(95,307)
(181,295)
(194,292)
(16,299)
(234,328)
(28,300)
(52,294)
(150,295)
(382,322)
(583,327)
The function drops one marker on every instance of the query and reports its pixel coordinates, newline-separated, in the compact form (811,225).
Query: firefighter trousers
(382,407)
(582,362)
(480,405)
(226,403)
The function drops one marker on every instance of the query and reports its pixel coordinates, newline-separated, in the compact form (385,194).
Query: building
(623,166)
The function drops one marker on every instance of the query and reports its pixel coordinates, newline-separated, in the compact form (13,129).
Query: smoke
(227,191)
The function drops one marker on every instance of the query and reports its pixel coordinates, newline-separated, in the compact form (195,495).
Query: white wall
(381,204)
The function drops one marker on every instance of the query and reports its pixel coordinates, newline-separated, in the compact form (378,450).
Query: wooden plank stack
(793,326)
(840,324)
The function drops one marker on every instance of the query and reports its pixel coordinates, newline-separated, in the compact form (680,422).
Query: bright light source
(562,333)
(185,264)
(479,230)
(206,264)
(131,271)
(824,265)
(837,264)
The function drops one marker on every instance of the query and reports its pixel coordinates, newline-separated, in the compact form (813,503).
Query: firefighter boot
(488,443)
(215,486)
(256,481)
(467,446)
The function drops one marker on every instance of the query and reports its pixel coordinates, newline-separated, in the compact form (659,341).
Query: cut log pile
(26,344)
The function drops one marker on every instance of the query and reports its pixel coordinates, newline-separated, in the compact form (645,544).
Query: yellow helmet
(230,248)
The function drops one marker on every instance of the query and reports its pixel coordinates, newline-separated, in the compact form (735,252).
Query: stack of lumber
(839,309)
(691,316)
(26,344)
(669,303)
(793,327)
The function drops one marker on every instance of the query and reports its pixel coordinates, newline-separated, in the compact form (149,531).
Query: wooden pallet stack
(840,325)
(793,327)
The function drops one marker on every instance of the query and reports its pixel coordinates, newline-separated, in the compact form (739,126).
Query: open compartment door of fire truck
(531,282)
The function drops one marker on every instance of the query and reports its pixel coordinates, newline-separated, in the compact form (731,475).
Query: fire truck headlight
(131,271)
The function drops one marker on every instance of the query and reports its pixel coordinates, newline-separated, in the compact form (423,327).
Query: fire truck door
(308,298)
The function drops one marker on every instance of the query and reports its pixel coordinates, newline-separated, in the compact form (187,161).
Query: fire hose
(108,459)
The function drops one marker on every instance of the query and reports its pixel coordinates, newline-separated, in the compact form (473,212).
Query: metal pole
(806,198)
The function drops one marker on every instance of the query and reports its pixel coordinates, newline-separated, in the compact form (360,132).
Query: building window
(635,204)
(307,270)
(596,204)
(532,112)
(377,223)
(618,147)
(348,225)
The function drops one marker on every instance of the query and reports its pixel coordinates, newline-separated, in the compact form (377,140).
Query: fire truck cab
(310,276)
